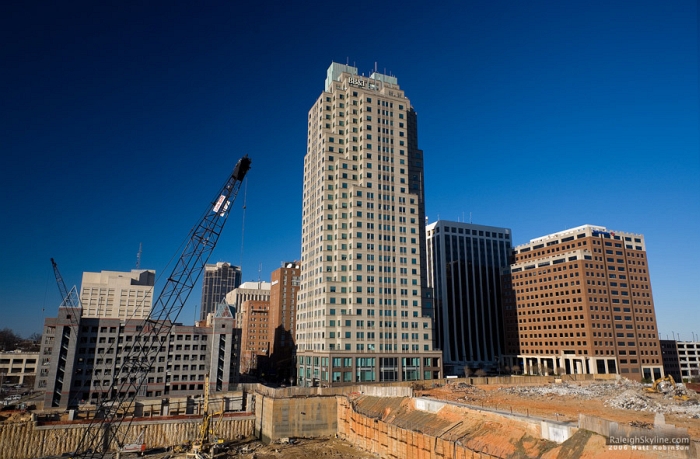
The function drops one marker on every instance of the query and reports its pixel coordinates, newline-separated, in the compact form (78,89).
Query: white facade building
(117,295)
(689,358)
(364,312)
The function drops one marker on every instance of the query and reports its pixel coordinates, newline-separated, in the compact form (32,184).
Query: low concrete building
(18,367)
(689,359)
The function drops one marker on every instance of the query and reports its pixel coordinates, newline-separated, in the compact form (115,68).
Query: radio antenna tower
(138,257)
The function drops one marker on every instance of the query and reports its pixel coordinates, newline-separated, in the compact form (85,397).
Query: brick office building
(580,301)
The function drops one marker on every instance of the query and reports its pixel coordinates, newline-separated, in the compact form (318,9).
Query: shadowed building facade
(284,287)
(81,357)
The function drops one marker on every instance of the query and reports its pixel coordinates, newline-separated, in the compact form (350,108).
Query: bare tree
(516,369)
(480,373)
(8,340)
(36,337)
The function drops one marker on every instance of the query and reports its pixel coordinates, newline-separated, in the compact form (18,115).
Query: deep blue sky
(119,121)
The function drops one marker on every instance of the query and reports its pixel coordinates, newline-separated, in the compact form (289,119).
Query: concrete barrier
(27,440)
(556,431)
(307,417)
(431,406)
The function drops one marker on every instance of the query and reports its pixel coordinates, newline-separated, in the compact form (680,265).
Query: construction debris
(587,391)
(632,400)
(625,394)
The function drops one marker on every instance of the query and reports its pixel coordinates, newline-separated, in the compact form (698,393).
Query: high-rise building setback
(364,311)
(580,301)
(465,263)
(219,279)
(117,295)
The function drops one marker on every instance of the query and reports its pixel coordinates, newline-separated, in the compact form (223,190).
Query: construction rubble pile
(588,391)
(623,394)
(468,390)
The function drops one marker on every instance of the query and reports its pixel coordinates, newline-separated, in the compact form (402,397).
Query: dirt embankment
(625,402)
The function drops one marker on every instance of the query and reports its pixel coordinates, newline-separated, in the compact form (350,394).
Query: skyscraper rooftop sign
(356,82)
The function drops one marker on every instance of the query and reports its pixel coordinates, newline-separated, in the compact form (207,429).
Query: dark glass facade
(465,273)
(219,279)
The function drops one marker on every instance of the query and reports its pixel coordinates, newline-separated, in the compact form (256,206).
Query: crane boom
(69,299)
(137,362)
(59,280)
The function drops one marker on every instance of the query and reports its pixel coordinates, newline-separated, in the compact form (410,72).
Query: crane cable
(245,198)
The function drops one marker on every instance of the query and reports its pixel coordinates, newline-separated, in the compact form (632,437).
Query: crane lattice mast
(139,361)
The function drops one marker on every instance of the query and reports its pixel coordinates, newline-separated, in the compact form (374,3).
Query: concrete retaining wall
(389,441)
(26,440)
(556,431)
(431,406)
(296,391)
(459,433)
(308,417)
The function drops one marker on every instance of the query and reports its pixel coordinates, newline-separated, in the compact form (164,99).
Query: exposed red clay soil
(558,407)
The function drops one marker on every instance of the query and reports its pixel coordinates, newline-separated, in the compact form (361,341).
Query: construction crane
(207,444)
(137,362)
(68,299)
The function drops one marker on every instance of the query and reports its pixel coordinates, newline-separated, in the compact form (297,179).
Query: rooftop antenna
(470,218)
(259,272)
(138,256)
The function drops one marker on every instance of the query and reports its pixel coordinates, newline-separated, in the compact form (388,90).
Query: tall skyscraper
(117,295)
(465,263)
(364,312)
(219,279)
(579,301)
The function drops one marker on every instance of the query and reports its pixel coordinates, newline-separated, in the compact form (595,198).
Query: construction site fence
(528,379)
(378,390)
